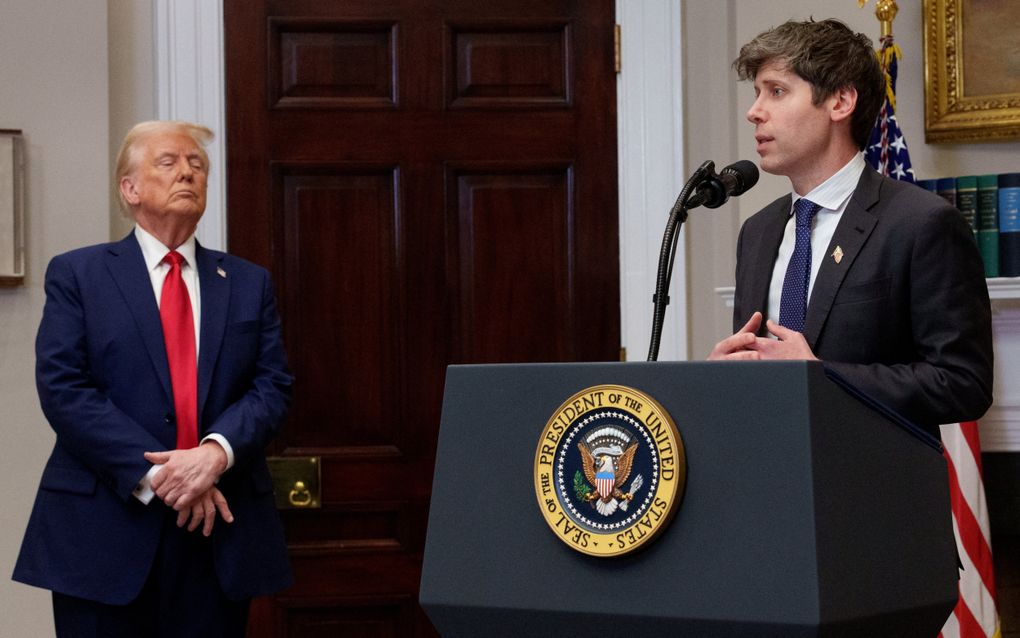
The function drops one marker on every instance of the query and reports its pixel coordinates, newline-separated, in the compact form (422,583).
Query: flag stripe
(969,626)
(970,433)
(975,614)
(975,598)
(973,538)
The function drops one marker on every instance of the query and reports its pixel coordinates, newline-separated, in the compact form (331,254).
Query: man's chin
(770,166)
(189,208)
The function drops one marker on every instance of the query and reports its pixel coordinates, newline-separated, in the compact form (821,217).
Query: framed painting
(12,223)
(971,70)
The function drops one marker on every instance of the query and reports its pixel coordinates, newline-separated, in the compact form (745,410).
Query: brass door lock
(296,481)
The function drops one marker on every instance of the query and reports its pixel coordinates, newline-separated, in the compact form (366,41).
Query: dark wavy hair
(829,56)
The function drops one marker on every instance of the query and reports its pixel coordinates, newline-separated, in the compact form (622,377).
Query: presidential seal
(609,470)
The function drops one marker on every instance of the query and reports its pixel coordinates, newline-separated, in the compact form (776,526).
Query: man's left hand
(187,474)
(203,512)
(789,344)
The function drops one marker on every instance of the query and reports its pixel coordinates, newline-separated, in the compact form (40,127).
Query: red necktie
(179,337)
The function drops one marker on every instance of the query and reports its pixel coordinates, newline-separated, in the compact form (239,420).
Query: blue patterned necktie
(793,303)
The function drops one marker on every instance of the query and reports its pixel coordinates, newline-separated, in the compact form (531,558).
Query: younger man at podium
(878,278)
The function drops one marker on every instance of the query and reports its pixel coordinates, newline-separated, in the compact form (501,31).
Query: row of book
(991,203)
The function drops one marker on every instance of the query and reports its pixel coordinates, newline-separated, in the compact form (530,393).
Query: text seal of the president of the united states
(610,470)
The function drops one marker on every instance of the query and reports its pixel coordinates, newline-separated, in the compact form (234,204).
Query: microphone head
(745,175)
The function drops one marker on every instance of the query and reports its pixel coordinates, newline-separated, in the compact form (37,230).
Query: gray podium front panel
(805,512)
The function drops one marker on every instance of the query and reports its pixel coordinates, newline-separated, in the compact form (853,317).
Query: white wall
(53,70)
(132,79)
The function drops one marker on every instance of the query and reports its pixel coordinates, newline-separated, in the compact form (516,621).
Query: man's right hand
(187,474)
(203,511)
(736,346)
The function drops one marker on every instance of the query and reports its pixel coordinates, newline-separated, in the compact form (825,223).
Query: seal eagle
(606,476)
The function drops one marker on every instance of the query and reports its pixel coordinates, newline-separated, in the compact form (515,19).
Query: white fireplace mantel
(1000,426)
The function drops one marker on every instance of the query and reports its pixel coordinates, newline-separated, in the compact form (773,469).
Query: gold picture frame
(969,95)
(12,209)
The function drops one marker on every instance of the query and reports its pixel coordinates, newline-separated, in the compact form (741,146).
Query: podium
(806,512)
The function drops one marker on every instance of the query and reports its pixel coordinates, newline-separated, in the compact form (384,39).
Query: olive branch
(581,487)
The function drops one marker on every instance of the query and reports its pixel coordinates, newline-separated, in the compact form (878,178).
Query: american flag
(887,149)
(975,615)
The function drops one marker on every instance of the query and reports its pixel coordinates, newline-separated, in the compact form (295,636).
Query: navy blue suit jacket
(104,386)
(904,314)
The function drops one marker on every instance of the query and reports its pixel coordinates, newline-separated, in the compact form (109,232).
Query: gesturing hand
(737,346)
(788,344)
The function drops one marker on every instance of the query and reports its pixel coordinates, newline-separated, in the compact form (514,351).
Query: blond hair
(131,148)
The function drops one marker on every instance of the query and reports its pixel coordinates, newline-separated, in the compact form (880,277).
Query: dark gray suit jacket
(904,315)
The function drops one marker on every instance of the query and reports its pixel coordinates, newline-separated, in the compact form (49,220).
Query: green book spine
(966,199)
(988,222)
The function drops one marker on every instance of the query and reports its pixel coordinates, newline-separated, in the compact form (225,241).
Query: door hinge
(616,48)
(623,354)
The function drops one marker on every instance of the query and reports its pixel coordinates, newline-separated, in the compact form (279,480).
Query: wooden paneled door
(430,183)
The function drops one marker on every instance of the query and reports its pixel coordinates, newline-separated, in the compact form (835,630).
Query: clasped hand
(745,345)
(186,483)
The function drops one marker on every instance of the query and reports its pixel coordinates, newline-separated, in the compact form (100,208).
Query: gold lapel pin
(837,254)
(223,273)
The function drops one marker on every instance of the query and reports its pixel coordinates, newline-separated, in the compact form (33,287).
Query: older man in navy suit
(879,279)
(160,367)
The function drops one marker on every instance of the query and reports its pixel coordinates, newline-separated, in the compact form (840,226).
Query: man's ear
(843,102)
(128,190)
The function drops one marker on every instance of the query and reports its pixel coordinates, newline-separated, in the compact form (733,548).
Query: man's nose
(755,114)
(185,170)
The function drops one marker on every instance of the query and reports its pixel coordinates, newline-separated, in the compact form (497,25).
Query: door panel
(429,183)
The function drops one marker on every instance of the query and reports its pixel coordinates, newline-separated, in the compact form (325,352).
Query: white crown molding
(1000,429)
(726,294)
(1004,288)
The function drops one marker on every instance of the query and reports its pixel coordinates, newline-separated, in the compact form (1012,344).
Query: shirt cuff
(219,438)
(143,491)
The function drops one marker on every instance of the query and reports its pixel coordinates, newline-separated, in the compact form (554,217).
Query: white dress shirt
(832,195)
(153,252)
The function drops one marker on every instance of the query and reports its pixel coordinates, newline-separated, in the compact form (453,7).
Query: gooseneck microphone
(704,188)
(734,180)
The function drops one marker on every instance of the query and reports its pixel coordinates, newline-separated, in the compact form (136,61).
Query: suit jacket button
(169,418)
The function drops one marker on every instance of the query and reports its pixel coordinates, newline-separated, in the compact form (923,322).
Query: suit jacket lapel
(215,289)
(852,232)
(127,267)
(764,260)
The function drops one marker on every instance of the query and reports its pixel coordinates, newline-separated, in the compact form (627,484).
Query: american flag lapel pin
(837,255)
(221,272)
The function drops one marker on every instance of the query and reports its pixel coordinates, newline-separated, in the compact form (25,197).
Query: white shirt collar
(153,250)
(833,192)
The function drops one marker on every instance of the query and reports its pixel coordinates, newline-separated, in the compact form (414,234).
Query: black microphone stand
(667,254)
